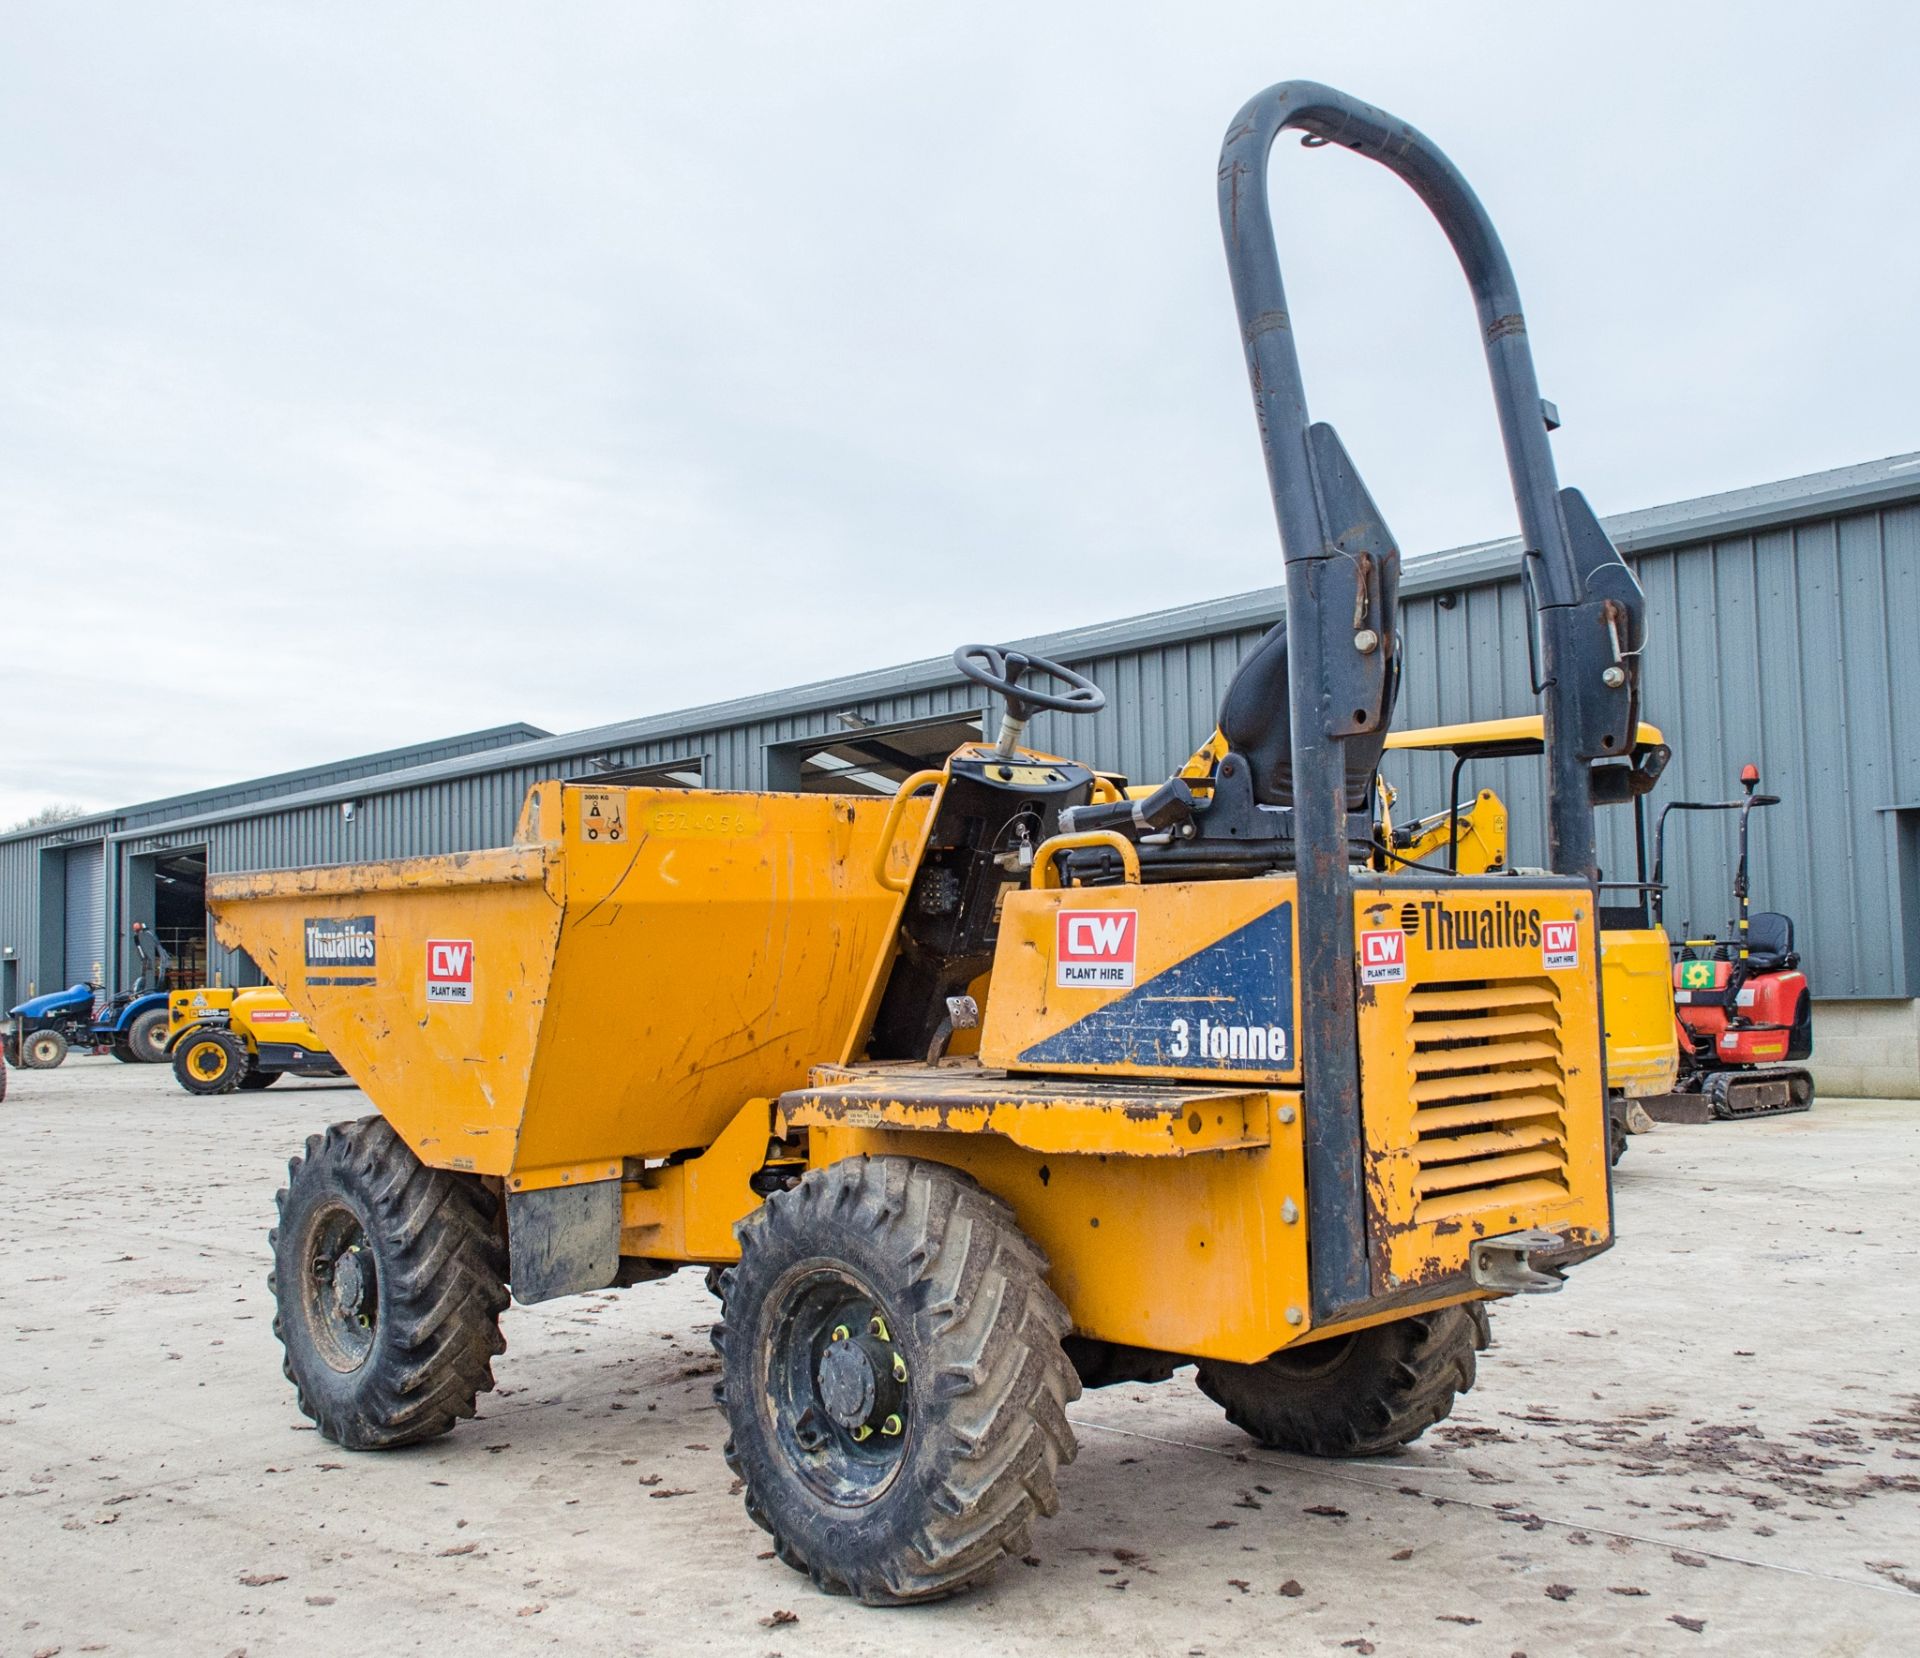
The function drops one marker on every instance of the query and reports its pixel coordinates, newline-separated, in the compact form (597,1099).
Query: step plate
(1040,1113)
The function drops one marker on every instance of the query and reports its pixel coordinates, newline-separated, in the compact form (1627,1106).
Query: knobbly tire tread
(1396,1381)
(442,1268)
(146,1037)
(37,1042)
(988,1442)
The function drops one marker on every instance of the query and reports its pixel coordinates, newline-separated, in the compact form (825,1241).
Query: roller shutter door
(86,915)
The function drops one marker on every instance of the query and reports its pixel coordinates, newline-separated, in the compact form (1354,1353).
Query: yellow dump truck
(1010,1084)
(1471,837)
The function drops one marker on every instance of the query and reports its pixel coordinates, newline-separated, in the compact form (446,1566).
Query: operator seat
(1255,718)
(1770,942)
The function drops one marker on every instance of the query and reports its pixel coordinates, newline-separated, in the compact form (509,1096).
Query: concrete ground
(1709,1443)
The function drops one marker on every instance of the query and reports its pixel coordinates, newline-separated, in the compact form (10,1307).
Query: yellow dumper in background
(1642,1046)
(1012,1083)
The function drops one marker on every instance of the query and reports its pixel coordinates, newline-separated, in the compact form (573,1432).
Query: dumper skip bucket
(636,966)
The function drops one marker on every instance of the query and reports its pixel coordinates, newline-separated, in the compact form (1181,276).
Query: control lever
(1167,807)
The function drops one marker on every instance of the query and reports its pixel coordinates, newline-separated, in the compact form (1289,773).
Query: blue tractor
(131,1026)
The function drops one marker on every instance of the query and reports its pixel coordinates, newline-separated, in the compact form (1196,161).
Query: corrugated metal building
(1784,623)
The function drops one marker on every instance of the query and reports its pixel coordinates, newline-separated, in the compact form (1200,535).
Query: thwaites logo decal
(1094,949)
(1383,956)
(449,969)
(1559,945)
(1500,925)
(345,944)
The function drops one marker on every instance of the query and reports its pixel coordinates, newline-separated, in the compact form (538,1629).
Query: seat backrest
(1769,941)
(1256,720)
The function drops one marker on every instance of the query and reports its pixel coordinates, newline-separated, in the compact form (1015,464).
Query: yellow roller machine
(1009,1084)
(1470,837)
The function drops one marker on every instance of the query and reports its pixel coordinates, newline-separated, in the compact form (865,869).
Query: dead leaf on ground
(259,1580)
(1291,1589)
(1695,1624)
(458,1548)
(1625,1589)
(1326,1511)
(1239,1583)
(779,1617)
(1559,1591)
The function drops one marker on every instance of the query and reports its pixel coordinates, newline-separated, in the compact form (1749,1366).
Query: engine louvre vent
(1488,1094)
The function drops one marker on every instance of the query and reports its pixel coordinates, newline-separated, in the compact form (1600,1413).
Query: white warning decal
(603,815)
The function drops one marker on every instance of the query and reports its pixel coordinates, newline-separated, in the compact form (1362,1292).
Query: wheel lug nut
(892,1426)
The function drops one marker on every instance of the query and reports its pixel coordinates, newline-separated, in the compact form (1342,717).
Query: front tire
(42,1050)
(894,1381)
(146,1037)
(1356,1395)
(389,1279)
(210,1062)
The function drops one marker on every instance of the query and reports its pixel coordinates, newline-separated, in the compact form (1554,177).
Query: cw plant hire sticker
(1383,956)
(450,970)
(1559,945)
(1094,949)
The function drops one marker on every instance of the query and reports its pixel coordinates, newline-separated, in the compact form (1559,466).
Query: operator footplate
(1051,1114)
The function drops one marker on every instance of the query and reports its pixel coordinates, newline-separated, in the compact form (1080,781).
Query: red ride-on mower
(1743,1007)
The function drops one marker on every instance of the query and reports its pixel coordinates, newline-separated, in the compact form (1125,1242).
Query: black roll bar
(1589,613)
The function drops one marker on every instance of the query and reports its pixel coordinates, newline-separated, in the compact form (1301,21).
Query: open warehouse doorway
(167,892)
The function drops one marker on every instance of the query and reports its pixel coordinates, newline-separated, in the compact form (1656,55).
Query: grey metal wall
(1792,644)
(1796,648)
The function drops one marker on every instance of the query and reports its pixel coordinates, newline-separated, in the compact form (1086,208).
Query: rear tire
(146,1037)
(1356,1395)
(894,1381)
(210,1062)
(42,1050)
(389,1279)
(257,1079)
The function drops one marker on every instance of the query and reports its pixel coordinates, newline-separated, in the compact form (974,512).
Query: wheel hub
(349,1285)
(848,1386)
(860,1381)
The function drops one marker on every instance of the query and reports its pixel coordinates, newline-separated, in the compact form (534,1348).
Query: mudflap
(1771,1093)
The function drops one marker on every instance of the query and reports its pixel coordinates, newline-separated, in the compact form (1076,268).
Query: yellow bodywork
(255,1014)
(1636,976)
(642,962)
(672,990)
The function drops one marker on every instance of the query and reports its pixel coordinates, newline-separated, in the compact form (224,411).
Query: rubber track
(1005,1382)
(443,1287)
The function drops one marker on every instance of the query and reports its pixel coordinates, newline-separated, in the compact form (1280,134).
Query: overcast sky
(372,374)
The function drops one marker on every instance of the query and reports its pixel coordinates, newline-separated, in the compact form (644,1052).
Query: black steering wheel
(1004,670)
